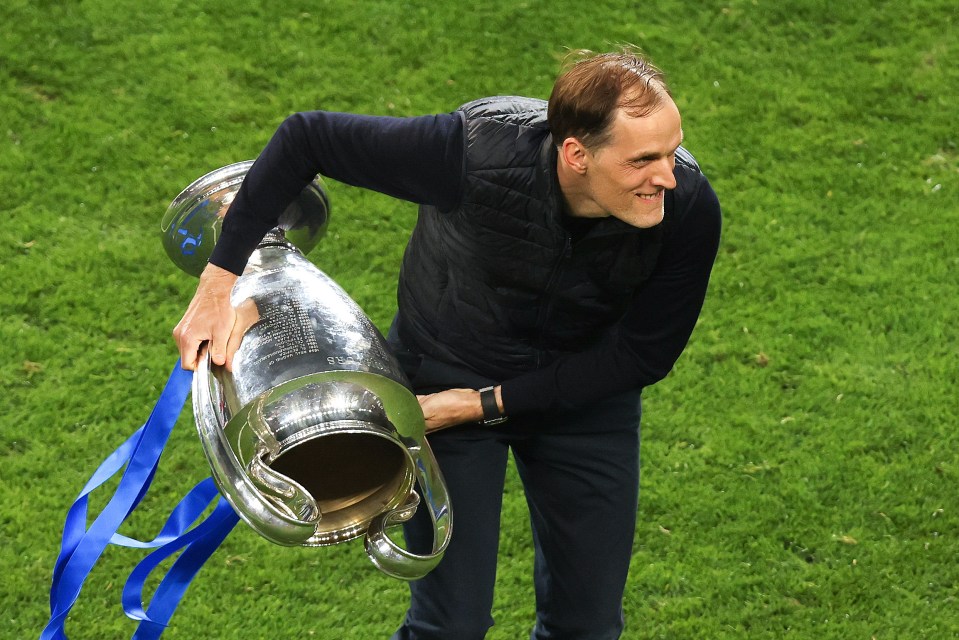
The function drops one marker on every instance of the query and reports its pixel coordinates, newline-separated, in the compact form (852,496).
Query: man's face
(627,177)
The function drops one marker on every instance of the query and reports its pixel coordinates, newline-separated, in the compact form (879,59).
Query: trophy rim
(193,221)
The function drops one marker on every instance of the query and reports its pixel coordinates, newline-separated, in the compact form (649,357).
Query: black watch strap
(491,412)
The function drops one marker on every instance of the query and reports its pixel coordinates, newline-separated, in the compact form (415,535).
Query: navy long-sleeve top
(420,159)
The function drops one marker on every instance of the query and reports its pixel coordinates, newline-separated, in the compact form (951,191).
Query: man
(559,263)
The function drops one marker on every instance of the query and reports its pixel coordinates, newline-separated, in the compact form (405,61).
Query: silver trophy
(315,437)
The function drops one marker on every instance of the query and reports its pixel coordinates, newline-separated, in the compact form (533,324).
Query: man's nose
(663,175)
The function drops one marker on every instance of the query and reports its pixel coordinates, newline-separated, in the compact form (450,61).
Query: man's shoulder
(504,132)
(518,109)
(686,162)
(690,180)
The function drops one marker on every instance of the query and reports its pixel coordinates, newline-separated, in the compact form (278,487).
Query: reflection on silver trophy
(315,436)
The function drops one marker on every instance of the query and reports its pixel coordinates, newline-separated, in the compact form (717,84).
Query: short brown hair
(593,86)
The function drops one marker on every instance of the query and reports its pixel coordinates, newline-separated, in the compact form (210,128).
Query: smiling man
(558,266)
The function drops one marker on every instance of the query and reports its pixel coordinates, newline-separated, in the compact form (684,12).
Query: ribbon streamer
(199,544)
(81,547)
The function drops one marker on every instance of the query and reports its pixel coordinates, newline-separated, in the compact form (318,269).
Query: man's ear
(574,155)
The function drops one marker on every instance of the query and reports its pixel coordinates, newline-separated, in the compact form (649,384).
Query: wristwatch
(491,412)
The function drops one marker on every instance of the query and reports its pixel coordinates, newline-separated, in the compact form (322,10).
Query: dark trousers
(580,472)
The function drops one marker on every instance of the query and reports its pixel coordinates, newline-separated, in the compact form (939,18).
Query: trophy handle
(386,554)
(292,499)
(277,525)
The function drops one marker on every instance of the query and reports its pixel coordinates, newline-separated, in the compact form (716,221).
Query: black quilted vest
(497,285)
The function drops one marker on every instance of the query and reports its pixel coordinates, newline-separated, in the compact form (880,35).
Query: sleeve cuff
(233,249)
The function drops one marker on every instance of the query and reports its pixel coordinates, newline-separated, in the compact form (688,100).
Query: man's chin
(644,219)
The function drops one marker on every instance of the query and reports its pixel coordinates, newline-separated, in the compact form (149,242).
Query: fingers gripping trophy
(313,436)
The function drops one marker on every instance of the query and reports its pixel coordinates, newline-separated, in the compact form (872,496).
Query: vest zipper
(550,286)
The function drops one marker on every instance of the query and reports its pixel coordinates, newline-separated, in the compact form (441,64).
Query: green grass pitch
(800,463)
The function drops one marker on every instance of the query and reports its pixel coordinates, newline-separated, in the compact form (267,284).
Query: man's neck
(576,199)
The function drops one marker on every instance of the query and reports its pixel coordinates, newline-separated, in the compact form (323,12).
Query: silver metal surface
(194,219)
(315,436)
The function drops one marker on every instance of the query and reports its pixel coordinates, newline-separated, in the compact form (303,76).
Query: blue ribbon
(81,547)
(199,544)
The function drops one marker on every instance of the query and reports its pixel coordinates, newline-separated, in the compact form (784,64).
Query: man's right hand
(210,317)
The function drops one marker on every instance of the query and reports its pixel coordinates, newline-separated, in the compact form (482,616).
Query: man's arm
(417,159)
(642,348)
(454,406)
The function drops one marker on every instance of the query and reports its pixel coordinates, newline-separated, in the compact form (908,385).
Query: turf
(800,462)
